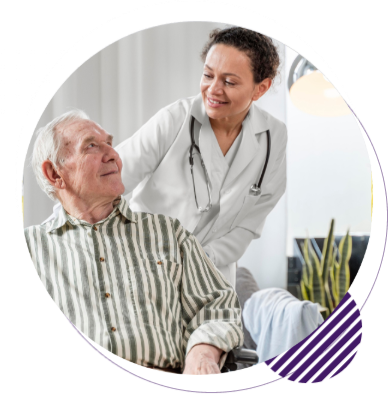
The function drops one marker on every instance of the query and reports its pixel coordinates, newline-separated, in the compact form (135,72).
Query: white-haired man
(138,284)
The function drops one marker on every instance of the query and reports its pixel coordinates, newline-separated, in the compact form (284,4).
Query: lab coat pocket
(249,202)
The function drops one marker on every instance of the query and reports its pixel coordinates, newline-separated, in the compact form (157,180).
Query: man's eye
(229,83)
(206,76)
(91,145)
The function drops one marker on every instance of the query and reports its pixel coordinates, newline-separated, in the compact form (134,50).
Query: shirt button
(227,191)
(102,259)
(94,228)
(113,329)
(159,262)
(107,295)
(215,230)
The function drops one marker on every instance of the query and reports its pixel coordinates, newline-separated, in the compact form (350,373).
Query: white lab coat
(156,170)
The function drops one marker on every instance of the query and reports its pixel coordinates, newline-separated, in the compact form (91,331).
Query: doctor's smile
(214,103)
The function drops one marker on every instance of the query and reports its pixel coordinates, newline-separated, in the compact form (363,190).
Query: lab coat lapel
(205,144)
(253,125)
(203,126)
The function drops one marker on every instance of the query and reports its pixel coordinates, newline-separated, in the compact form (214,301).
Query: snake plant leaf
(316,282)
(343,273)
(333,275)
(305,275)
(328,298)
(327,253)
(309,269)
(305,283)
(306,256)
(335,252)
(318,288)
(304,290)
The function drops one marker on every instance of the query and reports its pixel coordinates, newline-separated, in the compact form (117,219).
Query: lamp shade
(311,92)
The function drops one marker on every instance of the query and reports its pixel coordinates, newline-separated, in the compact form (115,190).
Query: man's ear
(52,175)
(261,88)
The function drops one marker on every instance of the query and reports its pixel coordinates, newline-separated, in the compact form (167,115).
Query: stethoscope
(255,189)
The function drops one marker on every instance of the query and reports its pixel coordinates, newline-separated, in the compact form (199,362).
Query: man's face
(92,168)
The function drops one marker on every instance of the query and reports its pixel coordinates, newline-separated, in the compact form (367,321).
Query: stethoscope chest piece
(255,191)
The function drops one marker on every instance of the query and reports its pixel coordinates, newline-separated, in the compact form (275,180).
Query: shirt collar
(126,211)
(63,217)
(255,121)
(59,221)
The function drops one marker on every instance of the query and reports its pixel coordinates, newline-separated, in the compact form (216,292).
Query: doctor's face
(227,83)
(92,168)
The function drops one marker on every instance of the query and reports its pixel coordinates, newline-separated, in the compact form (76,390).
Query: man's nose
(110,154)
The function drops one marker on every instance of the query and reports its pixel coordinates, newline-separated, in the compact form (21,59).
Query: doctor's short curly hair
(259,48)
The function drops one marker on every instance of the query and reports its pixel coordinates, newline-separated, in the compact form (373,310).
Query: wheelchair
(239,355)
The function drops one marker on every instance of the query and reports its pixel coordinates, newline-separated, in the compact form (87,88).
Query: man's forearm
(206,349)
(203,359)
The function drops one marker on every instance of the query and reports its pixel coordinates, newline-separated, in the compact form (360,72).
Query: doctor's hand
(203,360)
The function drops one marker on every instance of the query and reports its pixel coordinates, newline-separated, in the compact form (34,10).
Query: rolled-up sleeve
(211,311)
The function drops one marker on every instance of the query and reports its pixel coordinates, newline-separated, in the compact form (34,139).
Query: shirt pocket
(157,295)
(248,204)
(157,278)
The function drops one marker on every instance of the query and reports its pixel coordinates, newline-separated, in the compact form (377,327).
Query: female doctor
(215,161)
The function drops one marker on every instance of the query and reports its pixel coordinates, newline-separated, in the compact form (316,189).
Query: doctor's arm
(230,247)
(142,153)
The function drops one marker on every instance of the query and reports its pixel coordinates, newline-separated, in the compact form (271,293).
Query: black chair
(239,355)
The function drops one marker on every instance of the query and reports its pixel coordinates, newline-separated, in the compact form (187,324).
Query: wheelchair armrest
(239,355)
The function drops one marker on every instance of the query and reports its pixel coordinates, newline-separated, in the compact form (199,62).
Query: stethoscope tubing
(255,189)
(266,159)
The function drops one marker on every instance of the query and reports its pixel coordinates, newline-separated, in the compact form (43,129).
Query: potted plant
(326,280)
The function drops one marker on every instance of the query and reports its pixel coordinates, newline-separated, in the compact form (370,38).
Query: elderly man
(138,284)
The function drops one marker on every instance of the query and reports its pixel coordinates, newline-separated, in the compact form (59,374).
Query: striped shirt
(137,284)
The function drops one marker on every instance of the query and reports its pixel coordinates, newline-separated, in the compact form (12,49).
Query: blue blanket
(277,321)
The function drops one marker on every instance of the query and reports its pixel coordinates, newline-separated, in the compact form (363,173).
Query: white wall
(329,174)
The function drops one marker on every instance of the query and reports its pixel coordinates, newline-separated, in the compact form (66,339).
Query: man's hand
(203,360)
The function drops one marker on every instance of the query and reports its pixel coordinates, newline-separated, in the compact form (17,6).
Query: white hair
(47,147)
